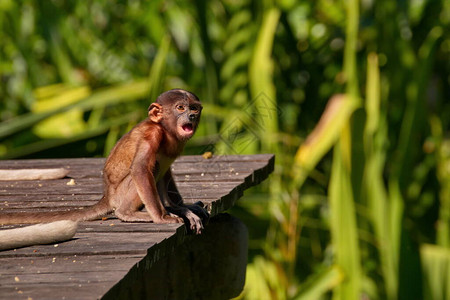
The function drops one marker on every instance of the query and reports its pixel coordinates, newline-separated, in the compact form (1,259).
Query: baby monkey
(137,171)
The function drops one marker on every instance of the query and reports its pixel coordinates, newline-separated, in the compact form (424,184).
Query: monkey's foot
(191,219)
(195,222)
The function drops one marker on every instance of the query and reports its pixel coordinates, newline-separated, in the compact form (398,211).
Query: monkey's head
(178,111)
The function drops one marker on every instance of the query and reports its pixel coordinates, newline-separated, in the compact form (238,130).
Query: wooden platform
(103,252)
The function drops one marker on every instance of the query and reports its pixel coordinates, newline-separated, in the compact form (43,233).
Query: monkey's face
(178,111)
(187,116)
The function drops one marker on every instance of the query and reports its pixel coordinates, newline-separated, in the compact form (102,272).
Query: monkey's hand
(194,215)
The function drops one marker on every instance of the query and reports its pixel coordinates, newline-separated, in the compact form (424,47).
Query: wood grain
(103,252)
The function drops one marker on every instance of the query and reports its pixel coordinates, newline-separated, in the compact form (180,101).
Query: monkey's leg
(129,211)
(136,215)
(128,205)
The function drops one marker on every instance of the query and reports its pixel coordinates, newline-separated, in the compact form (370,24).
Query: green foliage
(351,96)
(436,268)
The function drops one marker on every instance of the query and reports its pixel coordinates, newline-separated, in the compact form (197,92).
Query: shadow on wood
(208,266)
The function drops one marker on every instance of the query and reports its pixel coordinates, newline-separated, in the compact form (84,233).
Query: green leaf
(336,115)
(343,225)
(319,284)
(106,96)
(436,270)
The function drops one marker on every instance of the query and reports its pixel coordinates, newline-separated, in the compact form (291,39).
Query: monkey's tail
(37,234)
(83,214)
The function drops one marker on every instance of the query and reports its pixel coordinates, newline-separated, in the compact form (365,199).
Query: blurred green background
(352,96)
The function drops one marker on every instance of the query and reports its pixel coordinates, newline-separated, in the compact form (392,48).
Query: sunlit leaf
(65,124)
(317,286)
(436,268)
(325,134)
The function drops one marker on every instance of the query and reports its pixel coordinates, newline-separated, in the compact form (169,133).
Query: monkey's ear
(155,112)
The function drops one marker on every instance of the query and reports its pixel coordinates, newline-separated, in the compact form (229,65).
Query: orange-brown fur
(137,171)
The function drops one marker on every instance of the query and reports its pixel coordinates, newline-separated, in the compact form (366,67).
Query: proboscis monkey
(137,172)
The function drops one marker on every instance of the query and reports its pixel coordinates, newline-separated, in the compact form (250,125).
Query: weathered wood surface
(103,252)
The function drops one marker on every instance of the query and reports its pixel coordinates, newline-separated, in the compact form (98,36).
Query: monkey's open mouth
(188,128)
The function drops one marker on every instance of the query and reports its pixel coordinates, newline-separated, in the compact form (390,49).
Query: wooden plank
(112,224)
(205,192)
(75,291)
(42,197)
(119,226)
(81,277)
(51,163)
(68,264)
(237,158)
(94,243)
(104,251)
(76,280)
(49,205)
(61,183)
(83,188)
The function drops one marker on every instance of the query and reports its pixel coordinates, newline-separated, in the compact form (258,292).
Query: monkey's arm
(195,213)
(144,181)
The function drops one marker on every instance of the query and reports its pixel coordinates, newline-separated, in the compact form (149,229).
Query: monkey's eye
(180,107)
(194,108)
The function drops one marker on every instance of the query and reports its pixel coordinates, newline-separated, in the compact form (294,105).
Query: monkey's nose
(191,117)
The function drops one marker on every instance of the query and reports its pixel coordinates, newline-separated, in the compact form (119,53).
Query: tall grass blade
(414,114)
(373,99)
(267,281)
(158,68)
(351,36)
(375,137)
(436,269)
(317,286)
(405,157)
(329,128)
(335,117)
(261,84)
(442,154)
(343,226)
